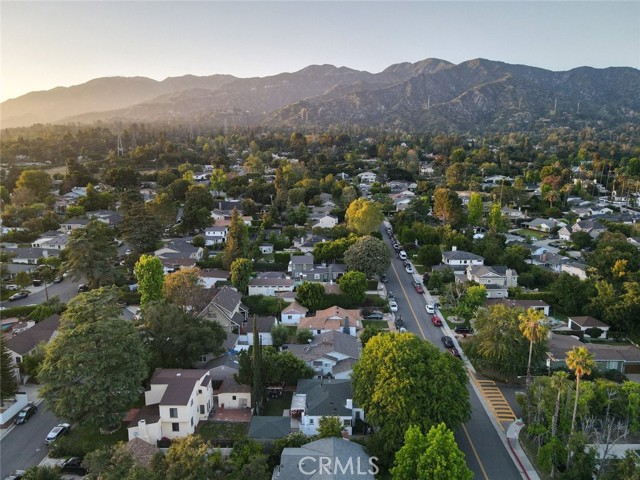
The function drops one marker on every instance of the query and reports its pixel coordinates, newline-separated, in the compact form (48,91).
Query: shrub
(263,305)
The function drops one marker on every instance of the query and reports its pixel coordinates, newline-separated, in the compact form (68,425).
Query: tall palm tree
(559,382)
(534,331)
(580,360)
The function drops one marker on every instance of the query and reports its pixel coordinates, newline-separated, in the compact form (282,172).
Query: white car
(56,432)
(393,306)
(409,269)
(430,308)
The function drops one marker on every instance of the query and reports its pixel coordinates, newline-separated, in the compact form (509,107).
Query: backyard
(275,406)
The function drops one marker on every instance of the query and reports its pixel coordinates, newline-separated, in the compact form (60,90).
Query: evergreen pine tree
(8,382)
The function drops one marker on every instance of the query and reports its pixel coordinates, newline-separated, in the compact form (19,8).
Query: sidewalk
(526,468)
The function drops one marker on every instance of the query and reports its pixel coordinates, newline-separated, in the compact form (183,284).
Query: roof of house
(461,255)
(229,385)
(302,259)
(264,324)
(141,451)
(149,413)
(271,275)
(332,318)
(214,273)
(269,427)
(326,397)
(24,342)
(345,451)
(76,221)
(588,322)
(514,303)
(33,252)
(280,282)
(227,298)
(295,307)
(484,270)
(180,383)
(326,343)
(559,345)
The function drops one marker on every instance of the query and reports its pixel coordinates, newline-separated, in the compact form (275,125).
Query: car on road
(384,279)
(430,308)
(436,321)
(399,322)
(11,286)
(454,351)
(56,432)
(418,286)
(25,414)
(374,316)
(17,475)
(408,269)
(463,329)
(58,279)
(393,306)
(447,342)
(83,287)
(18,296)
(402,255)
(72,465)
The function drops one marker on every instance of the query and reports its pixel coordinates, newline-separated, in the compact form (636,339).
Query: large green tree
(276,368)
(364,216)
(150,276)
(434,456)
(241,269)
(176,339)
(474,297)
(310,295)
(140,229)
(37,182)
(447,206)
(237,243)
(330,427)
(368,255)
(354,284)
(198,204)
(91,252)
(476,210)
(94,367)
(401,381)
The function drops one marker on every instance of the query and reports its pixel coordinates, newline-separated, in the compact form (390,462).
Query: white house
(564,234)
(178,399)
(542,224)
(292,314)
(317,398)
(263,324)
(496,279)
(269,286)
(584,323)
(227,393)
(576,269)
(331,354)
(51,242)
(25,341)
(459,260)
(216,234)
(210,276)
(367,177)
(326,221)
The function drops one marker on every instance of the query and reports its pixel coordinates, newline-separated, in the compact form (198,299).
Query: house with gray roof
(330,272)
(110,217)
(539,305)
(300,264)
(177,400)
(226,308)
(347,461)
(74,224)
(582,324)
(577,269)
(496,279)
(592,227)
(26,341)
(31,255)
(270,286)
(459,260)
(266,429)
(264,324)
(317,398)
(330,354)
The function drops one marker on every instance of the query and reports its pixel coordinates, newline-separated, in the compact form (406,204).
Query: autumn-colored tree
(237,243)
(184,288)
(364,216)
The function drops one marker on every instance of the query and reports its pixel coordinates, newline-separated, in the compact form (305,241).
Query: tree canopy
(91,252)
(94,367)
(364,216)
(368,255)
(150,276)
(401,381)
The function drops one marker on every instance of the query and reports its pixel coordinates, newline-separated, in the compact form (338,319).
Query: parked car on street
(447,342)
(418,286)
(384,279)
(56,432)
(18,296)
(72,465)
(408,269)
(25,414)
(11,286)
(430,308)
(83,287)
(58,279)
(436,321)
(399,323)
(393,306)
(454,351)
(17,475)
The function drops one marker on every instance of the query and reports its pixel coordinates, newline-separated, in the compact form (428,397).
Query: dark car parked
(448,342)
(463,329)
(25,414)
(83,287)
(72,465)
(454,351)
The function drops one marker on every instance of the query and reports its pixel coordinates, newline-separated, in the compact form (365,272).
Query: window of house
(290,317)
(192,421)
(191,403)
(233,398)
(201,409)
(316,276)
(199,391)
(173,412)
(347,422)
(318,332)
(175,427)
(311,421)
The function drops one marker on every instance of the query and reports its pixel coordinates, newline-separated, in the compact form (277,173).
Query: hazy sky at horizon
(50,43)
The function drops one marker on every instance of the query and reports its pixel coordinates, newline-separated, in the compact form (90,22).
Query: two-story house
(51,242)
(226,308)
(227,393)
(216,234)
(330,354)
(270,283)
(317,398)
(73,224)
(367,177)
(300,264)
(178,399)
(333,318)
(592,227)
(496,279)
(324,273)
(577,269)
(459,260)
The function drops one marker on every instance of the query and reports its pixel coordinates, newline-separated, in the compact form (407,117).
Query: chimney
(454,249)
(142,430)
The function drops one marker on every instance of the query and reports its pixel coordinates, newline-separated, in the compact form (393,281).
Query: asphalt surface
(66,290)
(23,446)
(484,449)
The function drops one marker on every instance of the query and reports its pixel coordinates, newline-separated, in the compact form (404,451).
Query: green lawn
(380,324)
(84,439)
(275,406)
(223,431)
(526,232)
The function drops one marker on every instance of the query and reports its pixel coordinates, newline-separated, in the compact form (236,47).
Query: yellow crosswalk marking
(497,403)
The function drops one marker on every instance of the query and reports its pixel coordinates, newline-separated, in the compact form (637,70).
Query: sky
(48,44)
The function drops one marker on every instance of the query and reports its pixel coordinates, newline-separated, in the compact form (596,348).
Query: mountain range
(474,96)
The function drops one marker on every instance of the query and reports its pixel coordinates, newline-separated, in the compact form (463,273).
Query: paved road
(23,446)
(485,451)
(66,290)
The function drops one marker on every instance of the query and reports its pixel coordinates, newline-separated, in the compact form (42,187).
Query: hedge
(270,267)
(544,296)
(264,305)
(18,311)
